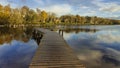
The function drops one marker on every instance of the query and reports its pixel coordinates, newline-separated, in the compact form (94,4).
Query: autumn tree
(1,8)
(16,17)
(5,14)
(31,16)
(43,16)
(25,15)
(38,15)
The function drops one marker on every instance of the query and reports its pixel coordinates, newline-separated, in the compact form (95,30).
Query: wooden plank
(53,52)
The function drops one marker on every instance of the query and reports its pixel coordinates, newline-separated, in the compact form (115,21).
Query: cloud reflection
(108,36)
(96,50)
(17,54)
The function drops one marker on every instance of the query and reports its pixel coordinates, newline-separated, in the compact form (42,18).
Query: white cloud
(115,53)
(84,7)
(90,55)
(67,36)
(109,7)
(12,4)
(59,9)
(116,17)
(4,2)
(112,8)
(40,2)
(108,36)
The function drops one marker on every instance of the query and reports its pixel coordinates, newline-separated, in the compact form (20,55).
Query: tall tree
(44,16)
(16,17)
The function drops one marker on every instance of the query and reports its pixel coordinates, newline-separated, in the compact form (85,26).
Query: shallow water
(95,46)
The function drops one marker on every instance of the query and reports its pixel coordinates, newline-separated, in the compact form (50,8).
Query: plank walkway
(53,52)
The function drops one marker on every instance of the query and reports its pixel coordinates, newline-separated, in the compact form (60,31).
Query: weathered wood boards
(53,52)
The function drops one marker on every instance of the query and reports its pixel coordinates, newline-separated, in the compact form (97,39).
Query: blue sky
(101,8)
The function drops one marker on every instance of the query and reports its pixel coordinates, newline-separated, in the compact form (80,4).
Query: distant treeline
(25,15)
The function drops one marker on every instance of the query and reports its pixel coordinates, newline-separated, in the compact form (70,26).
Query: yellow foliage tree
(44,16)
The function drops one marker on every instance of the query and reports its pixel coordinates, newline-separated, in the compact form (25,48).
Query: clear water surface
(95,46)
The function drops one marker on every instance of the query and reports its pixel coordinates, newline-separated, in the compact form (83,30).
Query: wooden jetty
(53,52)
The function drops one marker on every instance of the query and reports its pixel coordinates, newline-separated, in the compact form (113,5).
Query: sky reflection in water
(100,49)
(18,52)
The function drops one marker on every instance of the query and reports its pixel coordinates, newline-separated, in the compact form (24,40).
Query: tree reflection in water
(17,47)
(95,49)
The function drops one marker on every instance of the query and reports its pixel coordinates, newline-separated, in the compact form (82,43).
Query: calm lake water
(16,47)
(95,46)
